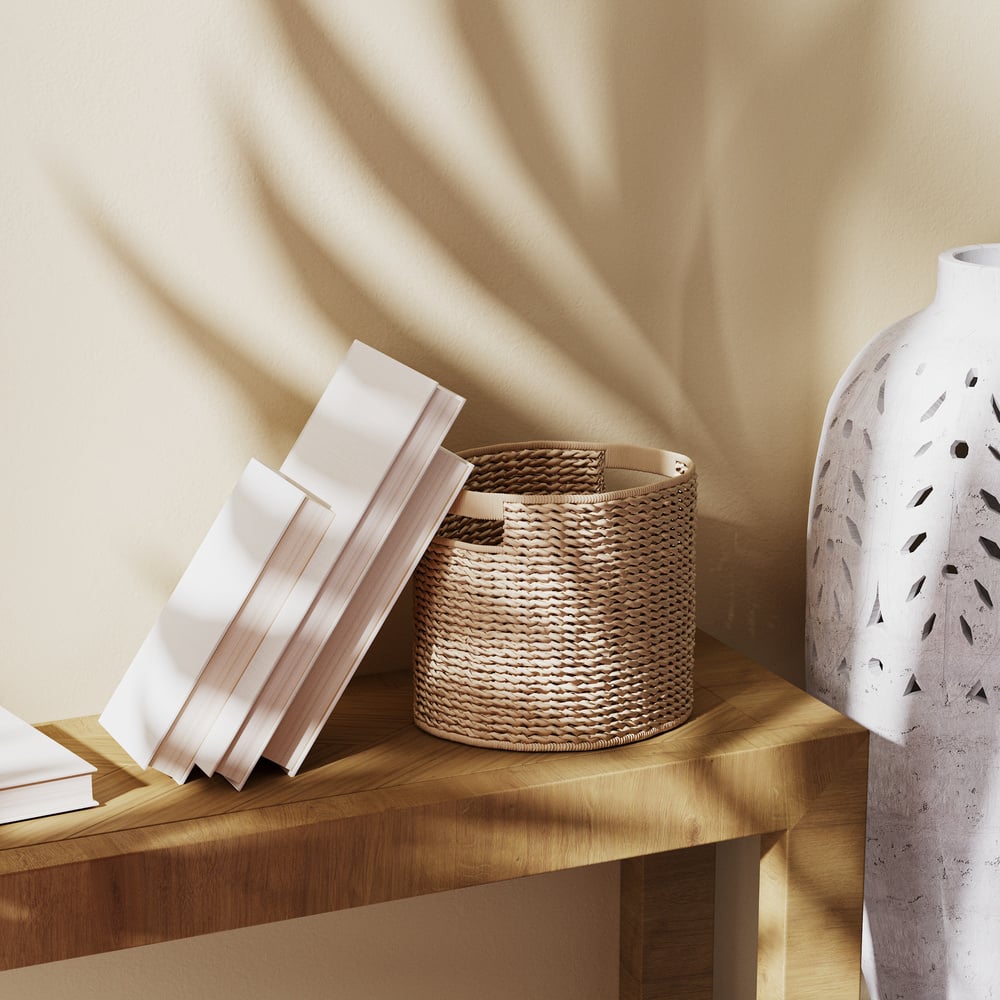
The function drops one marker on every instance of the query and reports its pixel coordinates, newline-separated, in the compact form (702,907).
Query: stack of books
(293,580)
(38,776)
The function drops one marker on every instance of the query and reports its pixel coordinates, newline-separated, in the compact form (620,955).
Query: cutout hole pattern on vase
(903,628)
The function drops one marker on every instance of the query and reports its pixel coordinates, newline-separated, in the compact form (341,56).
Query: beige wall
(664,222)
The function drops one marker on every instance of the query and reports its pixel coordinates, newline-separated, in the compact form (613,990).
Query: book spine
(207,597)
(353,635)
(176,753)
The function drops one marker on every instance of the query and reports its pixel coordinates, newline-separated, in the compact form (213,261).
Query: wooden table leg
(667,925)
(811,896)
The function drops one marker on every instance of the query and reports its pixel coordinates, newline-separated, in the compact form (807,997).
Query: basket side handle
(636,458)
(639,458)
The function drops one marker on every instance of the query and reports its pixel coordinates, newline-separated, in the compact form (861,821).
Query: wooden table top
(382,810)
(371,756)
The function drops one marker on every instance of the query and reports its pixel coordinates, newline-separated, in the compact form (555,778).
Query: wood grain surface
(383,811)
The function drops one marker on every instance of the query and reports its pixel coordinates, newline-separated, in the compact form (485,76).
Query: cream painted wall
(666,222)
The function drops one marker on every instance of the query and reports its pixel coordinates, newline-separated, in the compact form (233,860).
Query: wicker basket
(553,612)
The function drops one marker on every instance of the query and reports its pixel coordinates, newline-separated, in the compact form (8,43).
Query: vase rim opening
(979,255)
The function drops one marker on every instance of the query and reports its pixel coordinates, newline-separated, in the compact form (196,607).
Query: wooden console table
(384,811)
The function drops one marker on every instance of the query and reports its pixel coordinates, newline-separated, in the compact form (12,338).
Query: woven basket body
(552,613)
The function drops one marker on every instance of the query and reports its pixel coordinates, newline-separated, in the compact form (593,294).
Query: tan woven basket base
(525,747)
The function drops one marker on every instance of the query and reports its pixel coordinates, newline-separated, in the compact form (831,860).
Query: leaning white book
(364,449)
(38,776)
(355,439)
(371,603)
(240,700)
(175,756)
(214,586)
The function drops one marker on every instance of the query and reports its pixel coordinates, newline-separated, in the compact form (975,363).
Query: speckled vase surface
(903,609)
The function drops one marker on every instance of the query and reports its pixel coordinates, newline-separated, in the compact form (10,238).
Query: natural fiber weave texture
(568,625)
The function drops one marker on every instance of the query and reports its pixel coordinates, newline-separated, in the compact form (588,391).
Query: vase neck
(968,278)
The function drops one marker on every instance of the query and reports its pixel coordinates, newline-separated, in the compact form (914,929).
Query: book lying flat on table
(38,776)
(293,579)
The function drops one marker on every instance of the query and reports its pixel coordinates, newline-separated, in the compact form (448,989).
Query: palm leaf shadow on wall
(418,184)
(622,238)
(669,360)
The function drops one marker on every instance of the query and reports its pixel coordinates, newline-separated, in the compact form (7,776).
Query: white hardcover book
(367,611)
(208,596)
(176,753)
(366,413)
(38,776)
(375,417)
(241,699)
(358,451)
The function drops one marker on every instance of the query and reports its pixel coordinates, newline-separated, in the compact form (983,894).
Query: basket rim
(673,468)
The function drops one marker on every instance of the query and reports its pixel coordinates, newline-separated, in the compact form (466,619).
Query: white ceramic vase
(903,627)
